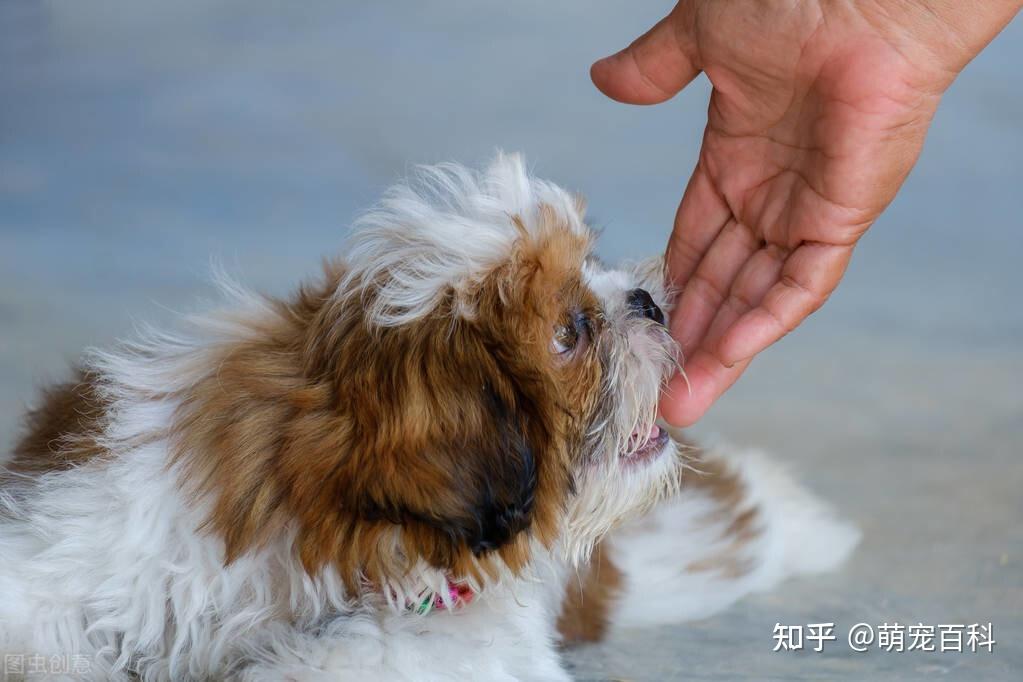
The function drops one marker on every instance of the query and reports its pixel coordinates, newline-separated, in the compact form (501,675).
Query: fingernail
(737,361)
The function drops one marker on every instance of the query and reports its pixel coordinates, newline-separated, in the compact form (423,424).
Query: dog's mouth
(643,446)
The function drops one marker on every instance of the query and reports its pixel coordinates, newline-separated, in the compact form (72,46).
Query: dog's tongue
(637,436)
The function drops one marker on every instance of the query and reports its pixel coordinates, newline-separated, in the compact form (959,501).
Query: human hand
(818,112)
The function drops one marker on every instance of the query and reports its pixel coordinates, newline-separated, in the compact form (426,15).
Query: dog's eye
(565,339)
(570,335)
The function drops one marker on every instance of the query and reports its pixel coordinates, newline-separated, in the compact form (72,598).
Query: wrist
(942,36)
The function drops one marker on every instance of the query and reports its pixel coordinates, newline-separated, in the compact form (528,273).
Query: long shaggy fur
(466,398)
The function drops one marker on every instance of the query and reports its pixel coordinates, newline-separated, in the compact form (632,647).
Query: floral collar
(459,595)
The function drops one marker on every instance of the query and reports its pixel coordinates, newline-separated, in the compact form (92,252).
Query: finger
(650,70)
(808,277)
(753,282)
(701,216)
(708,379)
(705,292)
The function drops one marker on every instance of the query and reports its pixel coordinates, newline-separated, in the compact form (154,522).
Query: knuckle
(738,301)
(706,290)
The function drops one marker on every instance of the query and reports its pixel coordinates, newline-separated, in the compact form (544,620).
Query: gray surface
(137,142)
(919,443)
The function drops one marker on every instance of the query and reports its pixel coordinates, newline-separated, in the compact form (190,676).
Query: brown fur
(450,440)
(62,431)
(586,609)
(712,477)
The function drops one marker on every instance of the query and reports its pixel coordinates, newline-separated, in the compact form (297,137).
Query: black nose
(642,303)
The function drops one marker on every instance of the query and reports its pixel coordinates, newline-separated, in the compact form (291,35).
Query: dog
(439,461)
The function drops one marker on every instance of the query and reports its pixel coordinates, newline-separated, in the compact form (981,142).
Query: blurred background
(139,141)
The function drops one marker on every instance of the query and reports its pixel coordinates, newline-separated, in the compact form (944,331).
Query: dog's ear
(471,488)
(500,501)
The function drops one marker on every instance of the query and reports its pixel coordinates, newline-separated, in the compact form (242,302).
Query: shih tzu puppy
(440,461)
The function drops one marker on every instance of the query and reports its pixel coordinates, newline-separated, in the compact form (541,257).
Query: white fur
(796,534)
(110,560)
(447,226)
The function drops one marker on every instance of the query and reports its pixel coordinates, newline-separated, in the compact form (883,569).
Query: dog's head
(474,384)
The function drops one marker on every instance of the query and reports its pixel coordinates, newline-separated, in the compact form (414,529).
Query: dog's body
(396,475)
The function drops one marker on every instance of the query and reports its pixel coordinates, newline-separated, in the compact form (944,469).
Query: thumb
(655,67)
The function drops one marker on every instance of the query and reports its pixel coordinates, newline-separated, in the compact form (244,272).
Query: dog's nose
(642,303)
